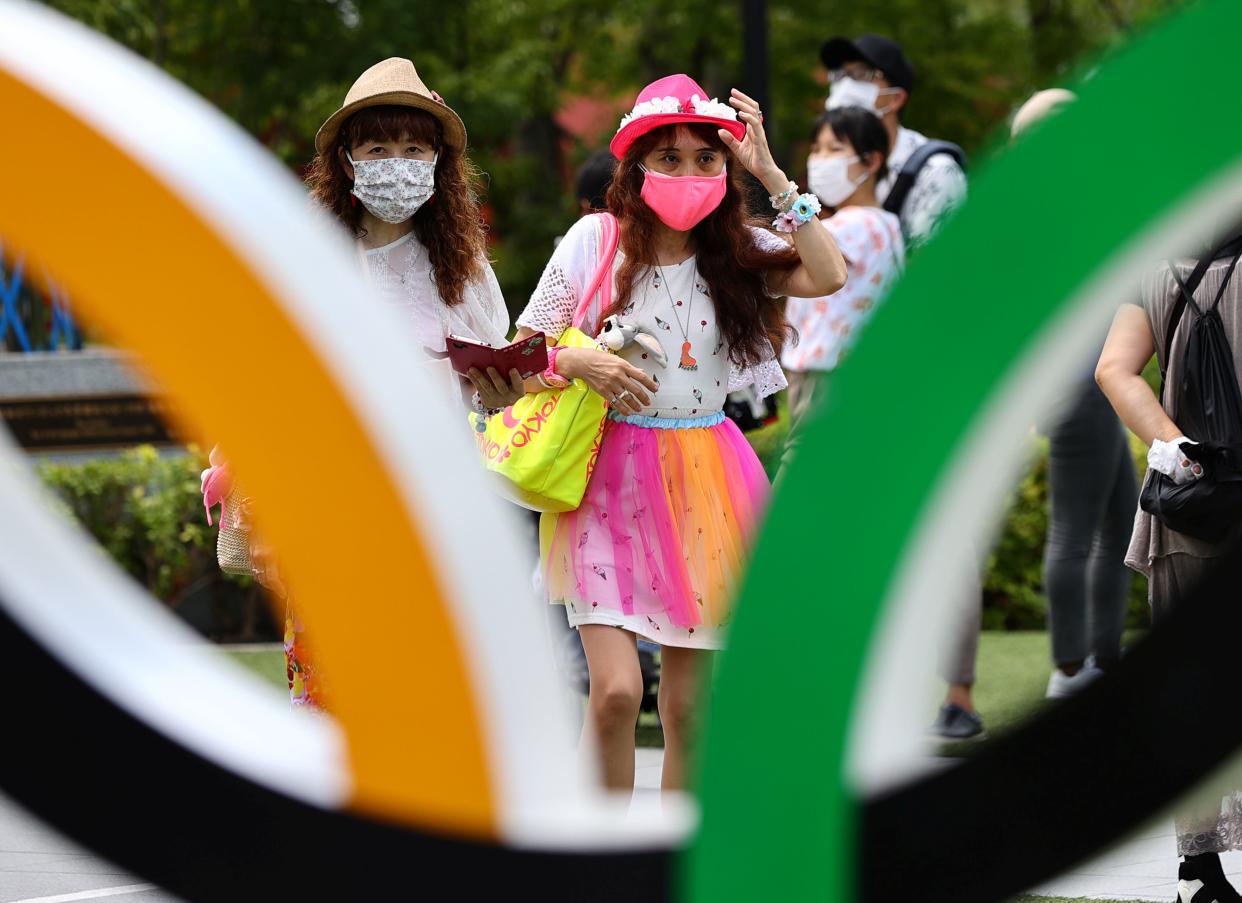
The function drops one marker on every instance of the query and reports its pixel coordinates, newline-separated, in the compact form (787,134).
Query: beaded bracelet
(803,210)
(783,201)
(480,424)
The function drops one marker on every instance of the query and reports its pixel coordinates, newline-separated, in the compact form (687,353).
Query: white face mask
(394,188)
(829,178)
(850,92)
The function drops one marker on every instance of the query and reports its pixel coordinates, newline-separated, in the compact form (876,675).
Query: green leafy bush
(145,509)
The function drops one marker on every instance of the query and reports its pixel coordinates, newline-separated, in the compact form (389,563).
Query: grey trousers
(1092,493)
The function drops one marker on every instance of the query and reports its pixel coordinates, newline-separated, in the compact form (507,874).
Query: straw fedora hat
(393,81)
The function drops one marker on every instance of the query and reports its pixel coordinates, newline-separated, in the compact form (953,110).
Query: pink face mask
(681,202)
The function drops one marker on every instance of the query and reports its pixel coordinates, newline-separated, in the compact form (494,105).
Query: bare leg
(615,696)
(681,673)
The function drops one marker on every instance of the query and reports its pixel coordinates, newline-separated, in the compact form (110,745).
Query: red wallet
(528,356)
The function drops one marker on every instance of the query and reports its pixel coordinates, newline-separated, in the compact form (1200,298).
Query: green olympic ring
(1112,181)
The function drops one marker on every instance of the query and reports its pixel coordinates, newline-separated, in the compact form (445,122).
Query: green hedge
(146,511)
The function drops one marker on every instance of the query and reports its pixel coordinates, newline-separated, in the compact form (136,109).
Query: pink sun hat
(670,100)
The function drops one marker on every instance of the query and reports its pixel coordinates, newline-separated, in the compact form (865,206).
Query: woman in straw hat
(392,168)
(661,536)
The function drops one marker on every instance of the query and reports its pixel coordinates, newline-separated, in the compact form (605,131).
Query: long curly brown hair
(450,225)
(730,262)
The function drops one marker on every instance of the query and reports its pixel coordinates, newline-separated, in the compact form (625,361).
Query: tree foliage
(279,67)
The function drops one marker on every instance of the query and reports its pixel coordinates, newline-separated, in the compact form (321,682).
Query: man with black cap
(925,178)
(925,182)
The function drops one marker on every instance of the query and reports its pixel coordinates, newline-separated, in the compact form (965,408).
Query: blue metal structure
(63,329)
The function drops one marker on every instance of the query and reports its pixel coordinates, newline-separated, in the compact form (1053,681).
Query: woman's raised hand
(753,151)
(622,384)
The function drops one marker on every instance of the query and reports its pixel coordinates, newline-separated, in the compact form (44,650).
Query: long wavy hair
(450,225)
(731,263)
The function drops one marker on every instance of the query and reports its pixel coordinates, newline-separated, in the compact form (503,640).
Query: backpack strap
(1231,245)
(913,166)
(1186,295)
(1224,283)
(609,236)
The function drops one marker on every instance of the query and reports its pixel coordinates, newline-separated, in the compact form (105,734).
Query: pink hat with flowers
(671,100)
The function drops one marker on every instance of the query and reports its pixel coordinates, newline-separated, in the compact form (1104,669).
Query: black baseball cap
(879,51)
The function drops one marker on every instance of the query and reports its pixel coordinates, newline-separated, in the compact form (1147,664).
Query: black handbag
(1209,410)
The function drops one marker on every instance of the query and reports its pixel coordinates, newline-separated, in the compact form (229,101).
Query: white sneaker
(1062,685)
(1186,890)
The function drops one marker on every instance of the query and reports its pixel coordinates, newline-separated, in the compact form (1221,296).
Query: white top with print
(574,262)
(673,305)
(938,189)
(870,240)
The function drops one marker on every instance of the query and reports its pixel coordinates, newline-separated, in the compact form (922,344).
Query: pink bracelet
(550,377)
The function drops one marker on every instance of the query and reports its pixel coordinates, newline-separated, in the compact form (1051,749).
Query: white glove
(1167,458)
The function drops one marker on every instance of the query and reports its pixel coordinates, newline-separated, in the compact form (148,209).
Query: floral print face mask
(394,188)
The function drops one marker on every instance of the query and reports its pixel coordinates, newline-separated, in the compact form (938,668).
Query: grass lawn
(1013,673)
(267,663)
(1013,669)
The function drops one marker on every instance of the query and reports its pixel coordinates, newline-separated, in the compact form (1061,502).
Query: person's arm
(624,385)
(822,270)
(1127,350)
(496,390)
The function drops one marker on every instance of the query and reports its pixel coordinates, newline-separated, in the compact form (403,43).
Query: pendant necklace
(687,361)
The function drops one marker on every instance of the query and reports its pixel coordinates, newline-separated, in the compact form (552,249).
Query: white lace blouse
(401,270)
(574,262)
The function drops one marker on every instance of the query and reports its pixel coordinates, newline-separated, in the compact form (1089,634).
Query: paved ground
(39,866)
(1145,868)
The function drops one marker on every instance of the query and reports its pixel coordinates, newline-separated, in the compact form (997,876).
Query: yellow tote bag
(544,447)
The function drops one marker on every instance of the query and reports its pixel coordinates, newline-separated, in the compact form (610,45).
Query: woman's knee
(616,699)
(679,712)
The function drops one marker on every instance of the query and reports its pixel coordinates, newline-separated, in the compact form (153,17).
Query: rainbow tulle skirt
(663,532)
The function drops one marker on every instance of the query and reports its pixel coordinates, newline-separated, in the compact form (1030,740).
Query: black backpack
(913,166)
(1209,411)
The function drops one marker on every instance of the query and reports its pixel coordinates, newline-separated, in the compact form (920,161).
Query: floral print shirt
(870,240)
(939,188)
